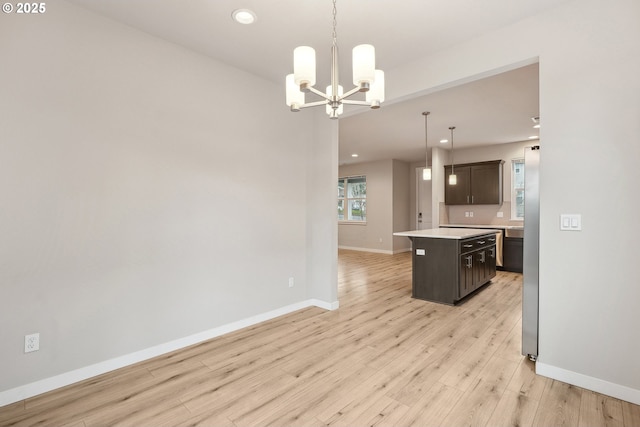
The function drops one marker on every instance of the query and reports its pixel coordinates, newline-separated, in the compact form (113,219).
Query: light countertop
(446,233)
(504,227)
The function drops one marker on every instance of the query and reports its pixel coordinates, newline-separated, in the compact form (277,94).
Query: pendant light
(453,179)
(426,173)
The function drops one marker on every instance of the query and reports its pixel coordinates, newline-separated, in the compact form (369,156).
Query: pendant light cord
(452,161)
(426,139)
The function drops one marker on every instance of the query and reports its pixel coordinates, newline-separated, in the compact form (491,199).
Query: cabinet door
(459,194)
(479,268)
(486,184)
(466,274)
(491,263)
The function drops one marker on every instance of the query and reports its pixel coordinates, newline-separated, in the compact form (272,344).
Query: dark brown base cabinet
(447,270)
(513,258)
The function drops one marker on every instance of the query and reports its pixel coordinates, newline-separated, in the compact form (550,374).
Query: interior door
(424,217)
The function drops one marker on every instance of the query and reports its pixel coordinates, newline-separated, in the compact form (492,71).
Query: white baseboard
(590,383)
(376,251)
(42,386)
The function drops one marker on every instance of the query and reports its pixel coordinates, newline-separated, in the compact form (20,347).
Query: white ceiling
(493,110)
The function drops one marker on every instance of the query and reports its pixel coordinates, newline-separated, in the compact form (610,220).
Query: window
(517,189)
(352,198)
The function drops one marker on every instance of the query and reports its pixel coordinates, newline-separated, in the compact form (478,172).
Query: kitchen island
(450,263)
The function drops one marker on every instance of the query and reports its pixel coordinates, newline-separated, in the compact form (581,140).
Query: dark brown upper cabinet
(478,184)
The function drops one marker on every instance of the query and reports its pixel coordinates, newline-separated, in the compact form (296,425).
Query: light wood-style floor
(382,359)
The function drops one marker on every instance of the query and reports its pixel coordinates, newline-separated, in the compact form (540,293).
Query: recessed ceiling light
(244,16)
(534,137)
(444,141)
(536,126)
(354,155)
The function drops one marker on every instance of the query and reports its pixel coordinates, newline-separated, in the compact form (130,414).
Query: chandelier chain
(334,34)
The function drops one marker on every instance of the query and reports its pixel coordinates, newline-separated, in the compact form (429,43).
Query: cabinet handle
(492,240)
(467,246)
(482,242)
(482,256)
(469,261)
(492,252)
(471,199)
(467,199)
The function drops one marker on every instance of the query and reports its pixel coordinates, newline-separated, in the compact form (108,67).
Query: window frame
(346,200)
(514,190)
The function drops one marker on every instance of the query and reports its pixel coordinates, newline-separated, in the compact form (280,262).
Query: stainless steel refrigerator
(531,252)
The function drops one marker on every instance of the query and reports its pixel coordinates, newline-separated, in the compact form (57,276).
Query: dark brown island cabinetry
(477,183)
(446,270)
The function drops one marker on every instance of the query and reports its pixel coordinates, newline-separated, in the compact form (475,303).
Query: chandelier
(365,78)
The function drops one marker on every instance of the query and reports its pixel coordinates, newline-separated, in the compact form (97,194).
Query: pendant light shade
(453,179)
(328,108)
(364,65)
(304,65)
(295,97)
(375,94)
(426,173)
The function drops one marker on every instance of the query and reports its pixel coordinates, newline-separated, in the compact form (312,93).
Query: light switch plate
(570,222)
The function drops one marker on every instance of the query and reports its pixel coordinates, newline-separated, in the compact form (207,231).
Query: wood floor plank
(432,407)
(480,400)
(526,382)
(599,410)
(514,410)
(464,372)
(392,411)
(630,414)
(559,406)
(381,359)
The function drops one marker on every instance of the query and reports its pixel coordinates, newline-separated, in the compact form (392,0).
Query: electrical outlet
(291,282)
(466,214)
(31,342)
(471,214)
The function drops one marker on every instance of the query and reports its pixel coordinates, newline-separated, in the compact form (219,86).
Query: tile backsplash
(482,214)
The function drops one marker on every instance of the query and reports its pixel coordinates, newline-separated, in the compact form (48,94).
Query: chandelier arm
(312,104)
(351,92)
(355,102)
(317,92)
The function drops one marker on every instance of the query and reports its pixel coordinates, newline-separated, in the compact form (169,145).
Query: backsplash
(482,214)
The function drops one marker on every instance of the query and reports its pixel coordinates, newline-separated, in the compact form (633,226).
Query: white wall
(400,202)
(589,54)
(142,203)
(379,224)
(388,189)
